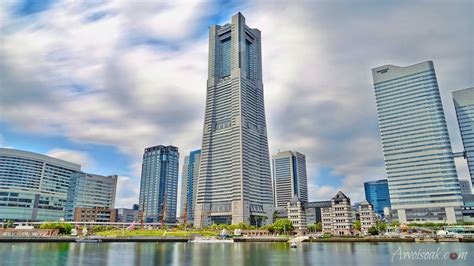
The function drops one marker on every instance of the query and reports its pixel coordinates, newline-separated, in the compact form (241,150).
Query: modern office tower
(189,185)
(465,186)
(159,184)
(33,187)
(289,177)
(422,177)
(376,193)
(235,183)
(464,105)
(89,191)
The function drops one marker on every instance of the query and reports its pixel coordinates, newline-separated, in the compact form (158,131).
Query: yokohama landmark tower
(234,178)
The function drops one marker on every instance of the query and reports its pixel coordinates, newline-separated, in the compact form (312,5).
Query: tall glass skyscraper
(90,191)
(235,183)
(289,177)
(376,192)
(33,187)
(422,177)
(464,104)
(189,185)
(159,184)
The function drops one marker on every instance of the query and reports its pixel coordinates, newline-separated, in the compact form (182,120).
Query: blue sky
(97,82)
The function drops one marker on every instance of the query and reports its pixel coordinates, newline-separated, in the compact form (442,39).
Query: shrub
(64,228)
(373,230)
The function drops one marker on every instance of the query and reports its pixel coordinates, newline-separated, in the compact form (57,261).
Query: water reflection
(201,254)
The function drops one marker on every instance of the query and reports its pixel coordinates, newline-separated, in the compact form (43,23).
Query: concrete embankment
(350,239)
(260,239)
(104,239)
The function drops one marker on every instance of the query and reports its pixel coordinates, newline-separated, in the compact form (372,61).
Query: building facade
(289,177)
(125,215)
(337,219)
(297,213)
(96,214)
(366,216)
(313,211)
(464,105)
(189,182)
(377,194)
(89,191)
(465,186)
(33,187)
(159,184)
(235,183)
(422,177)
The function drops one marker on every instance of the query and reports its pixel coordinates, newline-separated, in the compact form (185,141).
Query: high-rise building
(159,184)
(89,191)
(289,177)
(33,187)
(464,105)
(125,215)
(465,186)
(376,193)
(313,211)
(189,185)
(235,183)
(422,177)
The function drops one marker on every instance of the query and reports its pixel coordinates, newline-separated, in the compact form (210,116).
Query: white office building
(289,177)
(422,177)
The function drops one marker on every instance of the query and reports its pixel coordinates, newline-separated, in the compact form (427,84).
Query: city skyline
(335,118)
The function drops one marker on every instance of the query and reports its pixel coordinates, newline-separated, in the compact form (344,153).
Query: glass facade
(33,187)
(419,161)
(90,191)
(235,182)
(289,175)
(189,185)
(464,104)
(376,193)
(159,183)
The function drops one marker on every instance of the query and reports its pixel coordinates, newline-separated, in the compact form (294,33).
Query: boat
(88,240)
(293,245)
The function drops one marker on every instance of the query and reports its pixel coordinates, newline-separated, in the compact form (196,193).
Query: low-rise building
(337,219)
(126,215)
(105,215)
(313,211)
(297,213)
(366,216)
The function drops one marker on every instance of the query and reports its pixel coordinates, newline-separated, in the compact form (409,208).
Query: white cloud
(128,190)
(137,76)
(77,157)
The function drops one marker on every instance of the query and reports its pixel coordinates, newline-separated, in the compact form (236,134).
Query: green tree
(373,230)
(64,228)
(381,227)
(312,228)
(357,225)
(283,226)
(318,227)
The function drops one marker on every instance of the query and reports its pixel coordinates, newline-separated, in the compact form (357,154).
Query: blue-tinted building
(159,183)
(189,182)
(376,192)
(464,104)
(421,173)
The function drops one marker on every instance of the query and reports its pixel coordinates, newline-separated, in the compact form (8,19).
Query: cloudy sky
(97,82)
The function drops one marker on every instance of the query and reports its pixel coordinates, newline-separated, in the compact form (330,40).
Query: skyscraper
(159,183)
(464,104)
(90,191)
(376,193)
(465,186)
(289,177)
(234,178)
(422,177)
(189,185)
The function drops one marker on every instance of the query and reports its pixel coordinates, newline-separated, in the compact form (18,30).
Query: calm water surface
(233,254)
